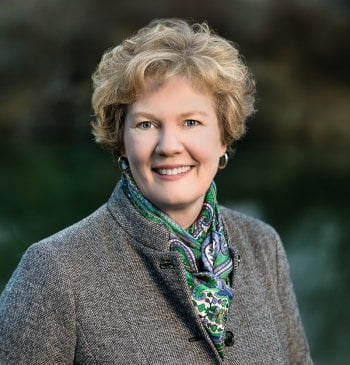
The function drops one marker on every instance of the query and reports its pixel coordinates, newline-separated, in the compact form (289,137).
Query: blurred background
(291,170)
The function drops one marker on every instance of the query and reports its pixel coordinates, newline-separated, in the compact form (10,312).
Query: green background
(291,170)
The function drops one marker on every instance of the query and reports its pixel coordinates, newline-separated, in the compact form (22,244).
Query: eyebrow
(182,115)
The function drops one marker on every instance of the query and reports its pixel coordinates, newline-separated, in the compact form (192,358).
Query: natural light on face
(173,144)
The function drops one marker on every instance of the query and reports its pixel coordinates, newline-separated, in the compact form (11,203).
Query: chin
(176,204)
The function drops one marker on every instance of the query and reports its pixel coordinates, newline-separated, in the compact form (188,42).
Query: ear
(223,149)
(122,152)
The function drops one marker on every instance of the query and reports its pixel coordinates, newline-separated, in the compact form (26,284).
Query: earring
(223,161)
(123,163)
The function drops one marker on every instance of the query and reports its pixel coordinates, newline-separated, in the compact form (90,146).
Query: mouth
(173,171)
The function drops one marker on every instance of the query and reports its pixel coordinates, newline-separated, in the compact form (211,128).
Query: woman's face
(173,143)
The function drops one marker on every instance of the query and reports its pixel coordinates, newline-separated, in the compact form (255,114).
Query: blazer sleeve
(298,348)
(37,312)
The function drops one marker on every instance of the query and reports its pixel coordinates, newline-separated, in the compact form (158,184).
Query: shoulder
(254,240)
(71,245)
(63,261)
(247,225)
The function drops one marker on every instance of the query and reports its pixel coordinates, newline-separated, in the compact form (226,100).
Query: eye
(191,123)
(145,125)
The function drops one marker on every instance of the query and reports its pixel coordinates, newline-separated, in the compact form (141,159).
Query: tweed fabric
(205,254)
(74,298)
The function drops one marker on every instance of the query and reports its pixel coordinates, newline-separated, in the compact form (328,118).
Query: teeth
(171,172)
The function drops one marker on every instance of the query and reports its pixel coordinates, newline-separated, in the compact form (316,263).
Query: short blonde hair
(165,48)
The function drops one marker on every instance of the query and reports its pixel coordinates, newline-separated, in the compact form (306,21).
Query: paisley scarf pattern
(204,252)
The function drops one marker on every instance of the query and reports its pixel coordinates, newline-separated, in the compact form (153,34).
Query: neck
(184,216)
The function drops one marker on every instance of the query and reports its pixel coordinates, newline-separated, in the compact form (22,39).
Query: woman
(160,274)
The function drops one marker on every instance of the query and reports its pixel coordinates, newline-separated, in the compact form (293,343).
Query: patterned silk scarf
(204,251)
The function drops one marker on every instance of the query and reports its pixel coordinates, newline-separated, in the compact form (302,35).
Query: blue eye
(191,123)
(145,125)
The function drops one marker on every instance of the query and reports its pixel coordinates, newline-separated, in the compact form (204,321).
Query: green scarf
(204,252)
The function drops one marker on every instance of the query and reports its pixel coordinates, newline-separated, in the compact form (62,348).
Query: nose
(169,142)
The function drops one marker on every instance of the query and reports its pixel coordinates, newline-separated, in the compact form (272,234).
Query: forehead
(176,94)
(157,81)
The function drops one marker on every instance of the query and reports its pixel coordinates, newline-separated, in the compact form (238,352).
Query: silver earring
(123,163)
(223,161)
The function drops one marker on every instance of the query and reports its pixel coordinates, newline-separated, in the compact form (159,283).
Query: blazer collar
(148,233)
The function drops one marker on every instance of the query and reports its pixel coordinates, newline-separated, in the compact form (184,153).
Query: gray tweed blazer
(109,290)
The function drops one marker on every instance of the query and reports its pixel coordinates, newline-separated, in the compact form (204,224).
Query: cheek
(207,149)
(138,152)
(134,155)
(206,157)
(126,145)
(131,146)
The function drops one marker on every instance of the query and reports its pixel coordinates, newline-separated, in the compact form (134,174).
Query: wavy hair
(165,48)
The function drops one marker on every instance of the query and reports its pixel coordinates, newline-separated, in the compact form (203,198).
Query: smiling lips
(174,171)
